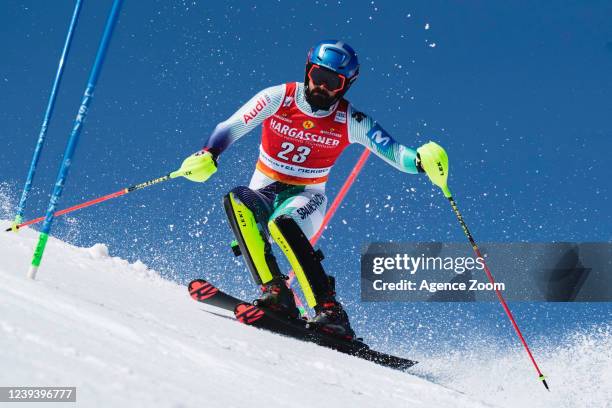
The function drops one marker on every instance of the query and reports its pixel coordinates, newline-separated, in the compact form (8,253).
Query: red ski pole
(435,163)
(178,173)
(70,209)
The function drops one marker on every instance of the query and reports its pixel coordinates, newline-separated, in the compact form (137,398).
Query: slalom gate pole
(97,200)
(48,113)
(330,213)
(435,162)
(74,137)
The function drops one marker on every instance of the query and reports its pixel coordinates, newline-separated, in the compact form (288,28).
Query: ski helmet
(333,65)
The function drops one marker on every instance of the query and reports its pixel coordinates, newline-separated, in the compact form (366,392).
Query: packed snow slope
(126,337)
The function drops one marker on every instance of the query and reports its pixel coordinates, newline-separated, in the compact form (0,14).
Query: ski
(204,292)
(297,328)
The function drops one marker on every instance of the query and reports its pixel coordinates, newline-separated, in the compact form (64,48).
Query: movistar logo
(379,136)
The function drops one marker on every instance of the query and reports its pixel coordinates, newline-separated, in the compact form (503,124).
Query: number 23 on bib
(297,148)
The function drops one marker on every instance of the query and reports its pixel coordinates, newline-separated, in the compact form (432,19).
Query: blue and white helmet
(336,56)
(334,65)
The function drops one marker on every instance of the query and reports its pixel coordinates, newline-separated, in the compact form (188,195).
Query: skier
(305,127)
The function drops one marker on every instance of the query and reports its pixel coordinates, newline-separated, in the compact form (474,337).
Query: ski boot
(332,319)
(277,297)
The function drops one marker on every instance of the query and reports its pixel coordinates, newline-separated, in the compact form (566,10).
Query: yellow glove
(198,167)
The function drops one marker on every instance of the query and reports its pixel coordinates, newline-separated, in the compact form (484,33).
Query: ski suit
(298,149)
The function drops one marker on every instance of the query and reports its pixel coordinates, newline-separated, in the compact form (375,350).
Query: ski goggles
(321,76)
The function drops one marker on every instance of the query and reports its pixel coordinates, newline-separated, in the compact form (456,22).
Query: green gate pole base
(38,253)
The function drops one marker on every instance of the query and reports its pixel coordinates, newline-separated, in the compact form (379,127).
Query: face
(321,90)
(325,87)
(320,97)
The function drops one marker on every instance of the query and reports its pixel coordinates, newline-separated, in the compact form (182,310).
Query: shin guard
(305,261)
(253,247)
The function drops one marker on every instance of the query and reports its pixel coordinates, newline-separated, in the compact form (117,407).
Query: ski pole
(439,176)
(48,112)
(330,213)
(178,173)
(74,137)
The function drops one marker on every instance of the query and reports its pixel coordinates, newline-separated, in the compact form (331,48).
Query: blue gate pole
(47,117)
(74,138)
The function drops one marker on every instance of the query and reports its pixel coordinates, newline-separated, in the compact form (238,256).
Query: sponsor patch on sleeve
(379,136)
(340,117)
(358,116)
(287,101)
(254,110)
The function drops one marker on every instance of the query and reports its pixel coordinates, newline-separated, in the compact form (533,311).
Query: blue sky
(517,92)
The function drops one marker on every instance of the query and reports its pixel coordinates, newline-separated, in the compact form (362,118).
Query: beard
(319,99)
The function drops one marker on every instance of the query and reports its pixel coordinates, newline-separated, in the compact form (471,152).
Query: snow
(126,337)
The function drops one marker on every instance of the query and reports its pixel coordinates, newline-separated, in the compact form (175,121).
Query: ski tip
(195,284)
(247,313)
(200,290)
